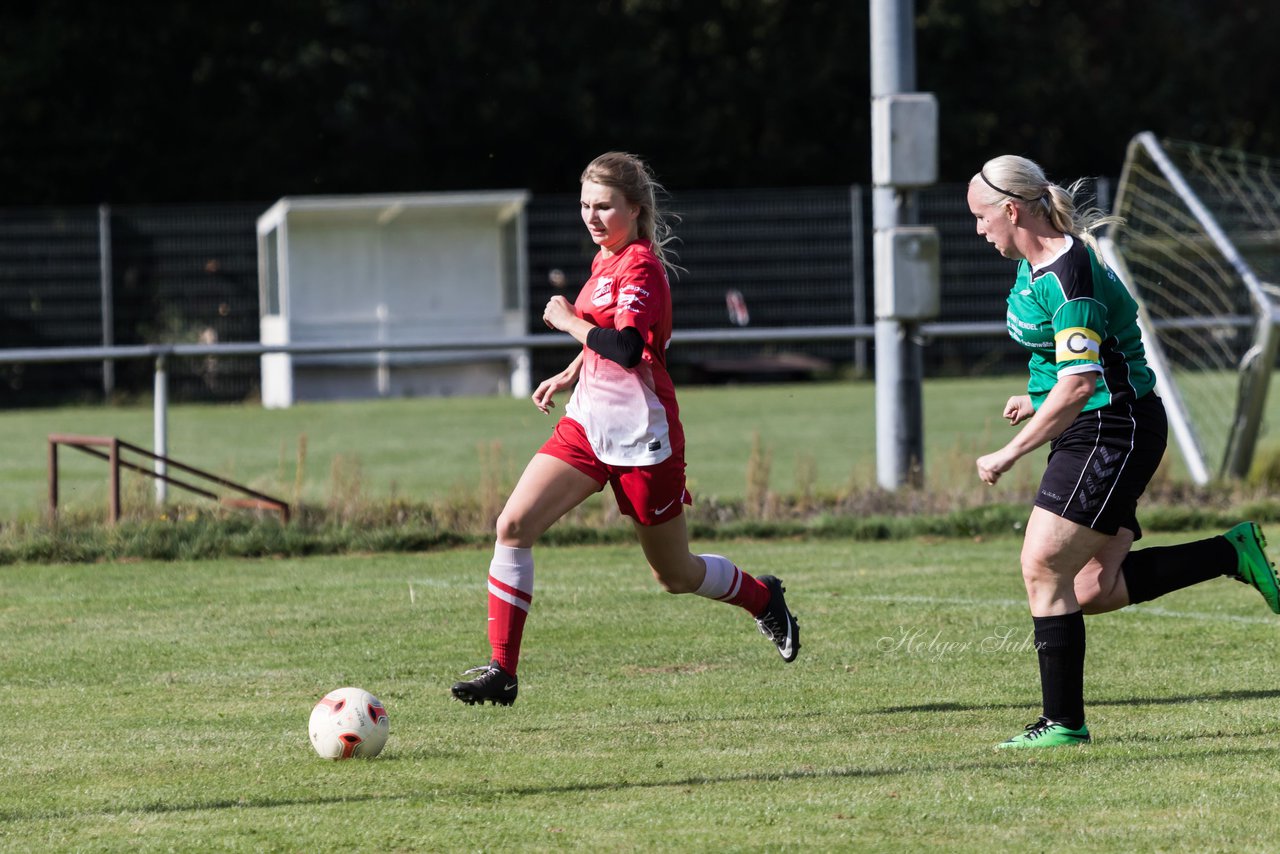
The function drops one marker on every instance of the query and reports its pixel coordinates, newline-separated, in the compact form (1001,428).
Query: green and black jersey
(1075,316)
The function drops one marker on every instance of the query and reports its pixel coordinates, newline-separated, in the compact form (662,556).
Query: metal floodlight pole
(898,358)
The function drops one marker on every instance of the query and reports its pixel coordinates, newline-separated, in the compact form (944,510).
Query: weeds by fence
(350,522)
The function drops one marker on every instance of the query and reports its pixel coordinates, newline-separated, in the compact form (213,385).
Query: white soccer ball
(349,722)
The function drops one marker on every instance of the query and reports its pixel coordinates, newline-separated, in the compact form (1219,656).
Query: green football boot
(1046,733)
(1256,567)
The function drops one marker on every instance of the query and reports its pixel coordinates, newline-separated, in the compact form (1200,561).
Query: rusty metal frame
(113,455)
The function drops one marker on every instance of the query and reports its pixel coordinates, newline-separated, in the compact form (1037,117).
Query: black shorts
(1101,464)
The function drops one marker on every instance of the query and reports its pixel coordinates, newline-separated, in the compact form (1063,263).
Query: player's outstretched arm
(547,389)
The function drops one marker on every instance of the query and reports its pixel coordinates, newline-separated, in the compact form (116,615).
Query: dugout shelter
(399,269)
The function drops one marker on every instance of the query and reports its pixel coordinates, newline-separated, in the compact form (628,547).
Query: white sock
(512,567)
(722,579)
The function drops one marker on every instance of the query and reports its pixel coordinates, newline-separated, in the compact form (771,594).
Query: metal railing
(114,455)
(162,354)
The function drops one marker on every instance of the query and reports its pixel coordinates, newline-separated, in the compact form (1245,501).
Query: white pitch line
(1157,611)
(477,583)
(1137,611)
(948,600)
(1143,610)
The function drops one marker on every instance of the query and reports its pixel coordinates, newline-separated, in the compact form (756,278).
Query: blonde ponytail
(1012,177)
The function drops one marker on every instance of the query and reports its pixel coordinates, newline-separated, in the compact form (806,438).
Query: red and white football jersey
(630,415)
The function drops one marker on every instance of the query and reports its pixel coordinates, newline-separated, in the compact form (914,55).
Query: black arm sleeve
(624,346)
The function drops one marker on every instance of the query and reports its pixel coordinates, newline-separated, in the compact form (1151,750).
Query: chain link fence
(752,258)
(79,277)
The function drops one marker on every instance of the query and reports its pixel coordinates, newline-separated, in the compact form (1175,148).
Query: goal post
(1200,250)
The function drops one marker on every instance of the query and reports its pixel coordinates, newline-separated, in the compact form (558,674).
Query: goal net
(1200,249)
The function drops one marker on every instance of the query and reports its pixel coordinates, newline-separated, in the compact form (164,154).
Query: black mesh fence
(763,258)
(771,258)
(176,275)
(797,257)
(50,296)
(189,275)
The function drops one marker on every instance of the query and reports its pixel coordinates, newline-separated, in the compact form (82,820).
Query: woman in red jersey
(621,427)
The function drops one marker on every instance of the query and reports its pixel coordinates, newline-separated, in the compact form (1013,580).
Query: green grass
(163,707)
(409,475)
(434,448)
(814,436)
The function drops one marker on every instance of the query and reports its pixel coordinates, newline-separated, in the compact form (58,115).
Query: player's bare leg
(1100,585)
(1053,554)
(712,576)
(548,488)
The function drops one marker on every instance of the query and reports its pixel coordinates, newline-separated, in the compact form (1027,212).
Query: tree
(186,101)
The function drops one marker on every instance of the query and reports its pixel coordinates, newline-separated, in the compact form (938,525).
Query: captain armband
(1077,344)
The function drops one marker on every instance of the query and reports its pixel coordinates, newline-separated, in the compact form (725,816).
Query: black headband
(1005,192)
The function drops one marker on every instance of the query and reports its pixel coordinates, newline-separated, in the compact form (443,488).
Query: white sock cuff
(513,567)
(722,578)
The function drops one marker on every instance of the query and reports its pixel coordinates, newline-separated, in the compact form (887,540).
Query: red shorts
(649,494)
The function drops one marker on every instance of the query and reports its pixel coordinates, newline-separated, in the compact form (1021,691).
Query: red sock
(724,582)
(510,594)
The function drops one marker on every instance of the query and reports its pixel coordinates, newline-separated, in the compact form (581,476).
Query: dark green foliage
(239,101)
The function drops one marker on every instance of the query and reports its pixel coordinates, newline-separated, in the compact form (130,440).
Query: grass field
(164,707)
(812,435)
(431,448)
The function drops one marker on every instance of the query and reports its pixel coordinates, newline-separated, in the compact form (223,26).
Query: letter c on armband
(1077,344)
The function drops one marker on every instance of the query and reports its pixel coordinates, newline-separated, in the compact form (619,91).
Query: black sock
(1151,573)
(1060,644)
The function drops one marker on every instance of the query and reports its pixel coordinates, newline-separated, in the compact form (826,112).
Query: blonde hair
(1012,177)
(631,176)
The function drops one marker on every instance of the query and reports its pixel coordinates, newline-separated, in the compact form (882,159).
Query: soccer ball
(349,722)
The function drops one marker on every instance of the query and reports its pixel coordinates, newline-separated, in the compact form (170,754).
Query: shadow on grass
(1219,697)
(664,720)
(999,761)
(196,806)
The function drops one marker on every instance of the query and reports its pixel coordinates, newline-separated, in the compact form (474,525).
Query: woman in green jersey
(1091,395)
